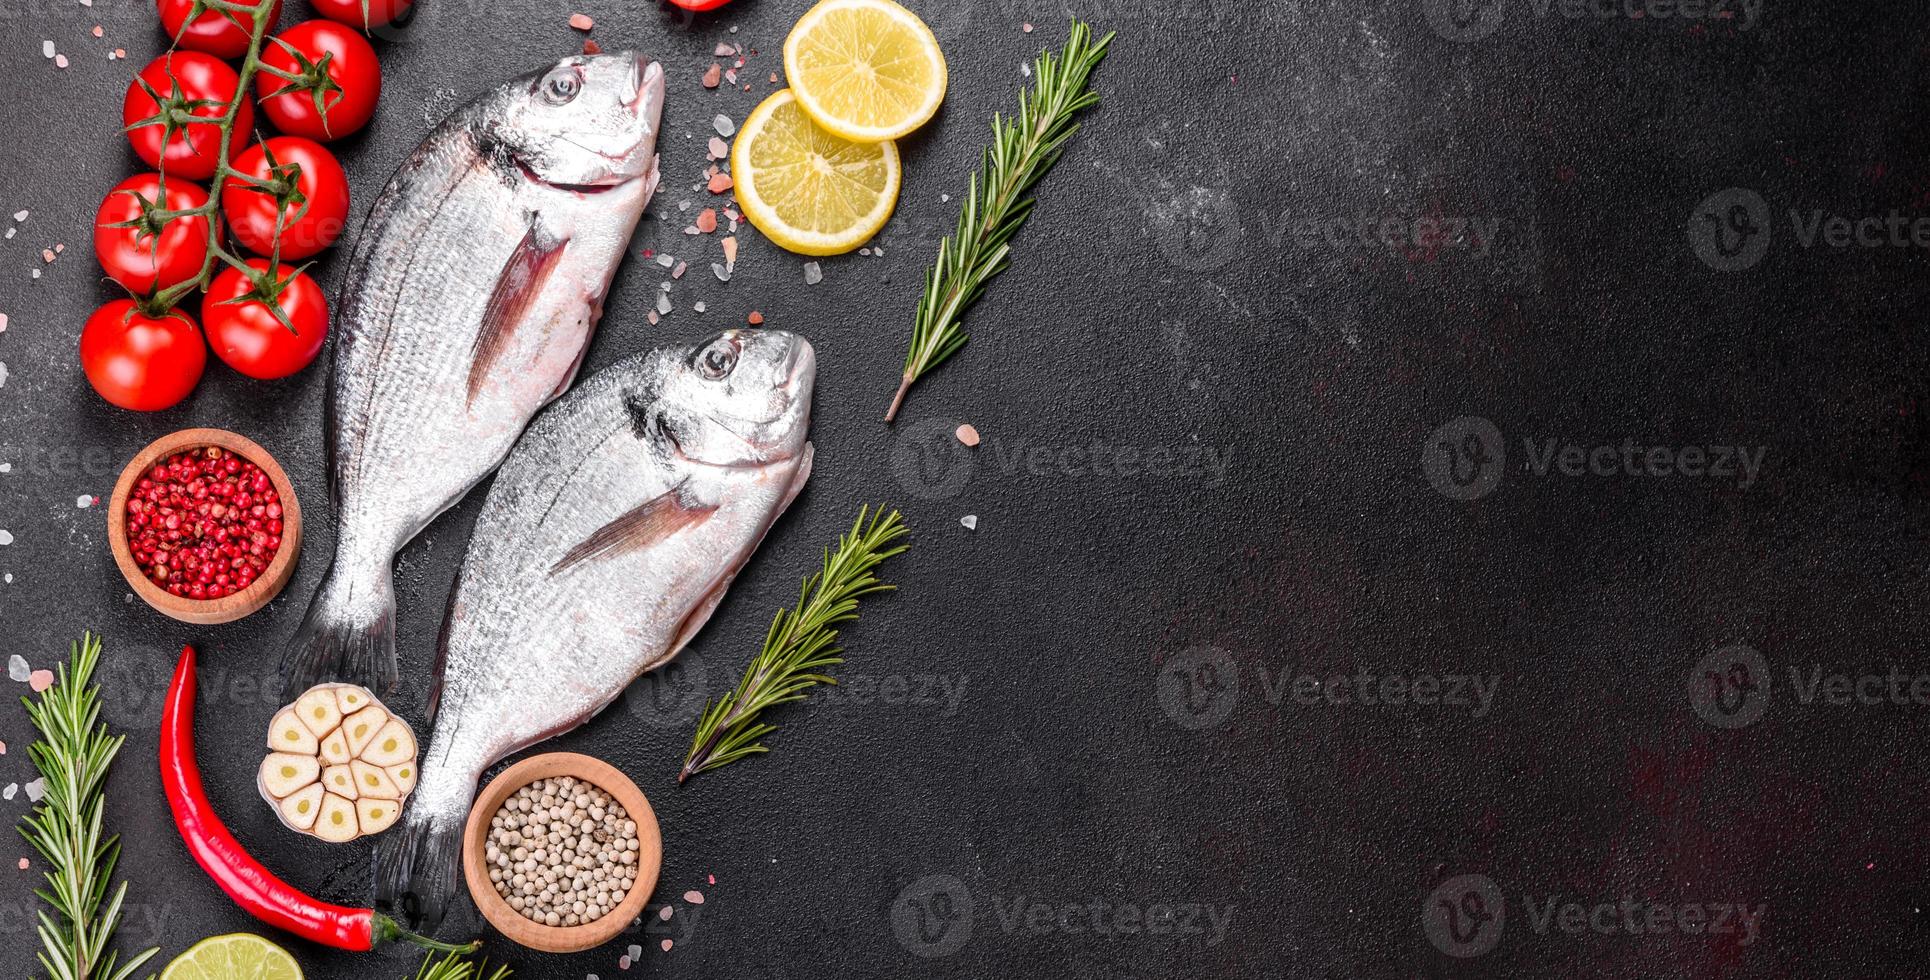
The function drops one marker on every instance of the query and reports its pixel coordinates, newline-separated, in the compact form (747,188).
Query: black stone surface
(1299,241)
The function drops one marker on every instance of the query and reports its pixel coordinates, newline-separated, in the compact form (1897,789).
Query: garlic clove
(337,823)
(287,734)
(362,727)
(351,699)
(340,781)
(376,816)
(301,809)
(282,773)
(371,781)
(335,749)
(404,777)
(392,746)
(317,709)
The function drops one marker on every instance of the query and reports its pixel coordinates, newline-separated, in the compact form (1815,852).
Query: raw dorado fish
(604,544)
(469,303)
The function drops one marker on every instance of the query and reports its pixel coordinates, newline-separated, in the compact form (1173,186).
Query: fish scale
(469,303)
(674,463)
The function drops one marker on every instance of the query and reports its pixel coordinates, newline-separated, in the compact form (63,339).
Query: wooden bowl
(207,612)
(511,923)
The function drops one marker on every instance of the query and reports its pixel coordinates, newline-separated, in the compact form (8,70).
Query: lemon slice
(808,190)
(867,70)
(240,956)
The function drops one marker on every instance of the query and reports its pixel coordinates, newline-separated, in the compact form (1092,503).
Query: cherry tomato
(699,5)
(193,150)
(349,83)
(138,361)
(351,12)
(303,174)
(247,335)
(221,33)
(150,256)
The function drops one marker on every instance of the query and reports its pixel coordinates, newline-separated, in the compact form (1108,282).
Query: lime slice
(240,956)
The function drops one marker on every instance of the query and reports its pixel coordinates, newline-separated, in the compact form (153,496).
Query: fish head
(741,398)
(587,122)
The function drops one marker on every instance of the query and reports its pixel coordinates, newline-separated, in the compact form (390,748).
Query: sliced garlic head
(340,765)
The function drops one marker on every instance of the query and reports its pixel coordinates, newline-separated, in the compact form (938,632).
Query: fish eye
(561,85)
(717,360)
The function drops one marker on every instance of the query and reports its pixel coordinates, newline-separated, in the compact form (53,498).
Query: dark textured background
(1121,628)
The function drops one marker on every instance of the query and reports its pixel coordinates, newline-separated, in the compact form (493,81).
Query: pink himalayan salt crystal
(40,680)
(581,22)
(694,897)
(664,913)
(665,943)
(23,867)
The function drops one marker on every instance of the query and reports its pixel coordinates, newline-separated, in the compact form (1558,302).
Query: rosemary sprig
(73,754)
(455,967)
(799,646)
(995,206)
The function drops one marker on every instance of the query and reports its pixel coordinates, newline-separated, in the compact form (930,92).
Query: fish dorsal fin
(517,287)
(642,526)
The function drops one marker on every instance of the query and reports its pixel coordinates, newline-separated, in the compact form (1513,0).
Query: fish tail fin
(416,871)
(349,632)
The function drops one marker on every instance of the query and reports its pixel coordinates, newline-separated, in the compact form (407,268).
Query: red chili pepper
(699,4)
(252,886)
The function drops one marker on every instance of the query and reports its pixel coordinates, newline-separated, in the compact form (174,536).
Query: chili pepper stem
(389,930)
